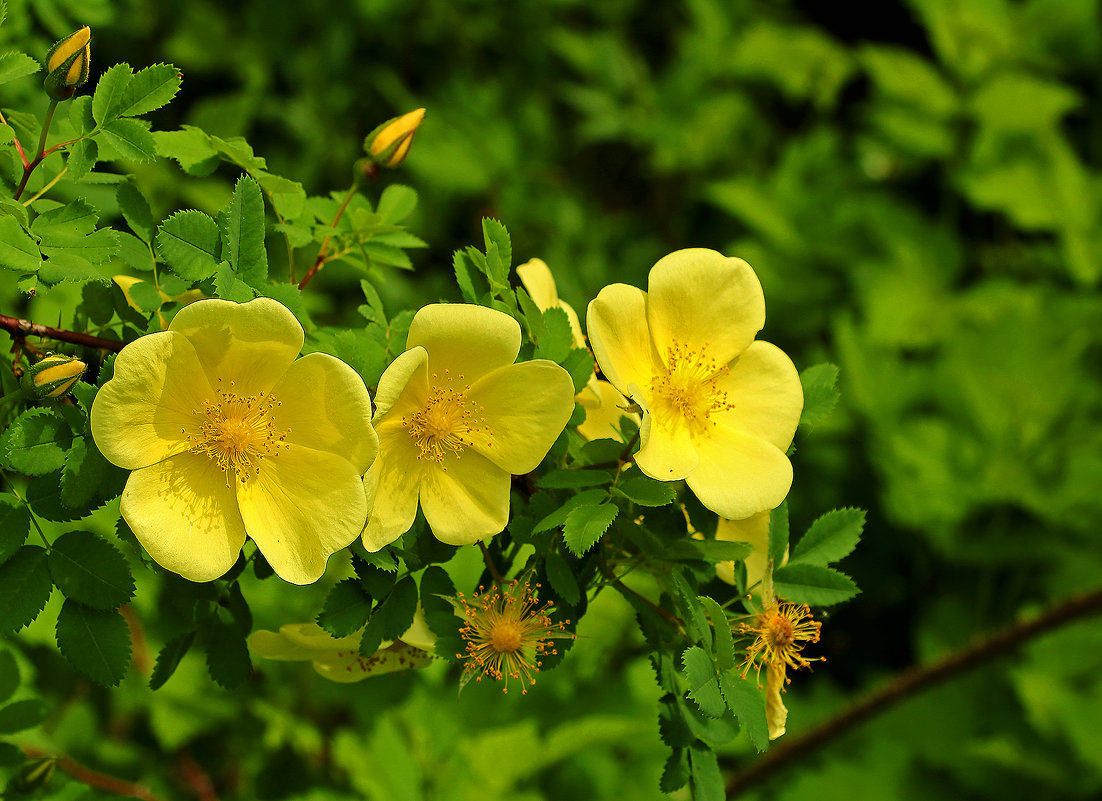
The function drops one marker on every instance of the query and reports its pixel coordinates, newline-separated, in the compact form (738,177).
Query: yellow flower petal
(617,325)
(398,376)
(251,344)
(300,508)
(298,642)
(326,406)
(526,406)
(776,715)
(468,502)
(465,339)
(665,453)
(184,513)
(753,530)
(396,477)
(706,301)
(140,415)
(768,397)
(536,277)
(602,420)
(739,475)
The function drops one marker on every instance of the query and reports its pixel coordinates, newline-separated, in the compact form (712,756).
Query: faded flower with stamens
(507,633)
(719,408)
(230,436)
(456,420)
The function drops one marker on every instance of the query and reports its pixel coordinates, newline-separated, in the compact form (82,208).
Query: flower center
(448,422)
(237,432)
(686,389)
(780,631)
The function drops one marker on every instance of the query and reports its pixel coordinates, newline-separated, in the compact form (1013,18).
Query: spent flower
(229,436)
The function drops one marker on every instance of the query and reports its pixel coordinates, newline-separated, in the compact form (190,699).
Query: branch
(323,253)
(19,329)
(93,778)
(912,681)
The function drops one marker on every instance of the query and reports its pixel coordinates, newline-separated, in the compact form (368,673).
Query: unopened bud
(34,774)
(67,64)
(389,144)
(52,377)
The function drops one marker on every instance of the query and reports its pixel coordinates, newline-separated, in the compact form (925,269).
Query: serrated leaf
(189,243)
(586,525)
(700,673)
(130,139)
(169,659)
(646,491)
(44,496)
(227,654)
(722,639)
(497,239)
(704,768)
(571,479)
(396,203)
(22,715)
(191,147)
(83,155)
(228,286)
(16,65)
(242,227)
(94,248)
(395,614)
(17,250)
(562,578)
(745,700)
(820,392)
(813,585)
(9,676)
(15,524)
(346,608)
(558,517)
(90,570)
(464,277)
(149,89)
(708,550)
(95,642)
(559,341)
(36,442)
(696,624)
(135,210)
(83,472)
(107,100)
(778,533)
(832,537)
(675,774)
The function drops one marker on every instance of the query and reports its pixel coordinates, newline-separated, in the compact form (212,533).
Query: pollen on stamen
(237,432)
(508,633)
(686,389)
(780,631)
(449,422)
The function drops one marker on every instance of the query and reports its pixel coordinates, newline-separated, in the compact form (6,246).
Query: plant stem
(490,564)
(93,778)
(18,145)
(913,681)
(324,251)
(670,616)
(38,156)
(47,187)
(19,329)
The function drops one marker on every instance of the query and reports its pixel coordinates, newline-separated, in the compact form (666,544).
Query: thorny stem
(93,778)
(323,253)
(912,681)
(19,329)
(490,564)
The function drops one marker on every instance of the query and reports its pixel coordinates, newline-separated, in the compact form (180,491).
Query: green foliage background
(918,190)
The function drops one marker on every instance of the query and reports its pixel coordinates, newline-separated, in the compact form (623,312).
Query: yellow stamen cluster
(448,422)
(780,630)
(686,388)
(237,432)
(507,633)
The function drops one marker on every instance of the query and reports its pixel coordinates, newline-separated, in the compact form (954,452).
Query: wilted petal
(776,715)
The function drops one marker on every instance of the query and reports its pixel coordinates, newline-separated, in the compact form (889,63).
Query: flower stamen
(686,389)
(237,432)
(781,630)
(449,422)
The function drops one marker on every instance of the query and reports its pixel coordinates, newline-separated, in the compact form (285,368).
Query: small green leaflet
(645,491)
(558,517)
(94,641)
(562,578)
(397,203)
(16,65)
(568,479)
(778,533)
(346,609)
(189,242)
(17,250)
(169,659)
(704,768)
(813,585)
(700,673)
(15,524)
(242,229)
(227,655)
(149,89)
(820,393)
(724,642)
(22,715)
(832,537)
(90,571)
(585,525)
(35,442)
(745,700)
(129,139)
(107,102)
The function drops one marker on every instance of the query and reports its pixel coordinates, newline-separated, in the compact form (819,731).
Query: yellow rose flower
(229,436)
(601,401)
(456,418)
(719,408)
(338,659)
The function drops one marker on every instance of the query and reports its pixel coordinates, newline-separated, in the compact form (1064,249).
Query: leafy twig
(323,253)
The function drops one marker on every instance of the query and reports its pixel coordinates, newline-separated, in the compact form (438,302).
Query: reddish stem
(324,252)
(19,329)
(93,778)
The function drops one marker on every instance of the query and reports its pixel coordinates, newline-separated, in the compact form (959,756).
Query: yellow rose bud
(52,377)
(67,64)
(388,145)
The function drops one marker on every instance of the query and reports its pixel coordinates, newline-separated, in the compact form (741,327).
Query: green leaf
(463,276)
(36,442)
(585,525)
(813,585)
(189,241)
(242,227)
(559,341)
(91,571)
(778,533)
(84,473)
(15,524)
(500,260)
(745,700)
(83,156)
(675,774)
(16,65)
(227,654)
(704,769)
(820,393)
(646,491)
(708,550)
(135,210)
(724,642)
(130,139)
(700,673)
(831,537)
(149,89)
(96,642)
(558,517)
(569,479)
(395,614)
(17,250)
(696,624)
(107,102)
(346,608)
(191,147)
(64,248)
(169,659)
(562,578)
(229,287)
(22,715)
(9,676)
(397,203)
